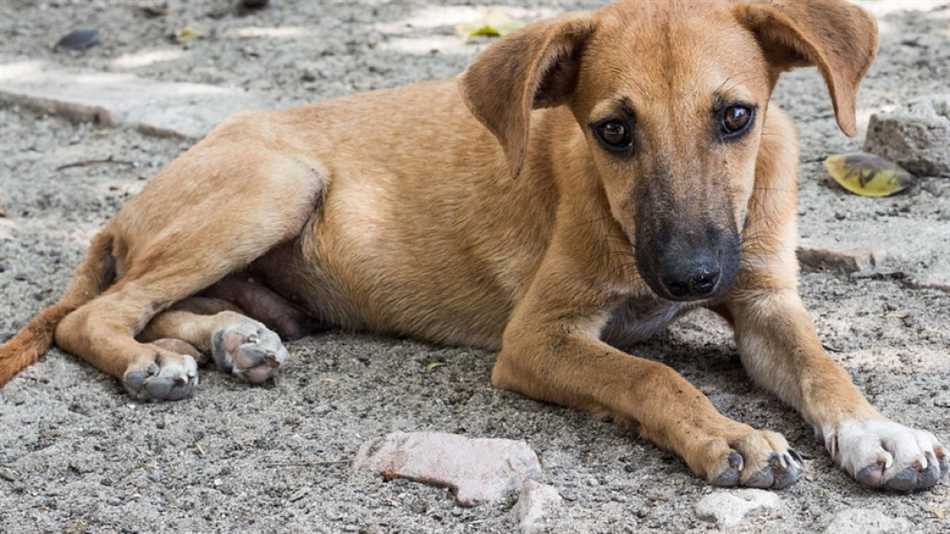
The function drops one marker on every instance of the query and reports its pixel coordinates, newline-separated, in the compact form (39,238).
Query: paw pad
(248,350)
(169,377)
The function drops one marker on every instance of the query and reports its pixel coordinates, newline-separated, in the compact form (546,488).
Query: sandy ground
(77,455)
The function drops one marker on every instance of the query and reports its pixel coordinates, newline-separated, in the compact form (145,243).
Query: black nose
(692,280)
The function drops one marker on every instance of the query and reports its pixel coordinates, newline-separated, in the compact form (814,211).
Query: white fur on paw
(249,350)
(883,454)
(169,377)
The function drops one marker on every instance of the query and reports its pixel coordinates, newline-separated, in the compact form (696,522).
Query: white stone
(186,110)
(865,521)
(729,507)
(538,507)
(477,470)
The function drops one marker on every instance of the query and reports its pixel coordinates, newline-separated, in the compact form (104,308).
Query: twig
(305,464)
(89,162)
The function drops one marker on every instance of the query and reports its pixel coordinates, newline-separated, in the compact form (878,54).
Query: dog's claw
(782,471)
(729,477)
(797,456)
(736,461)
(786,468)
(753,467)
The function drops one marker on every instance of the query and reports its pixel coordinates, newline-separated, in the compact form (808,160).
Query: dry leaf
(868,175)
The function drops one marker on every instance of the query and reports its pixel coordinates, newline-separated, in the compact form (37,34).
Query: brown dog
(586,181)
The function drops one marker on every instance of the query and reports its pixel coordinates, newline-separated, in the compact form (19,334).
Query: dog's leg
(102,332)
(206,305)
(263,304)
(238,344)
(245,206)
(551,352)
(781,351)
(578,371)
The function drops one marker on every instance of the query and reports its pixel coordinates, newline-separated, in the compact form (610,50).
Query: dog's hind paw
(883,454)
(168,377)
(249,350)
(760,459)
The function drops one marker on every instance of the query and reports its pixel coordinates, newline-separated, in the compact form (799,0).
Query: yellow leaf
(484,31)
(492,23)
(433,365)
(186,35)
(868,175)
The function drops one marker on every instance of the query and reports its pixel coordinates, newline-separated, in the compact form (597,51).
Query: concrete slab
(173,109)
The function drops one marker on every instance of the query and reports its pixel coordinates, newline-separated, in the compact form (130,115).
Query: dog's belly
(640,318)
(343,281)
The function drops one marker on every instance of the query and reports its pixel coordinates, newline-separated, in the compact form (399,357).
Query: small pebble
(79,39)
(728,508)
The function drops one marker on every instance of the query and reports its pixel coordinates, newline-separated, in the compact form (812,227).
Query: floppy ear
(535,67)
(834,35)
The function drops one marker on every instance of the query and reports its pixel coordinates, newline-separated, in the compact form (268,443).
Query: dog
(587,180)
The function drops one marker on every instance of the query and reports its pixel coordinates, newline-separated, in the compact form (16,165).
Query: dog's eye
(613,135)
(735,120)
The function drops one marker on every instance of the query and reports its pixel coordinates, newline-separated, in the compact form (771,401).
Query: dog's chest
(639,318)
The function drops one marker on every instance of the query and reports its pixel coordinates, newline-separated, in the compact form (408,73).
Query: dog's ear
(535,67)
(834,35)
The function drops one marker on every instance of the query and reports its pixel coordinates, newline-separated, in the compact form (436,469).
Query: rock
(254,4)
(7,227)
(916,136)
(476,470)
(814,258)
(155,11)
(729,508)
(186,110)
(79,39)
(865,521)
(538,507)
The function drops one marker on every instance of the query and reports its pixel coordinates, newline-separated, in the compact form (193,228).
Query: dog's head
(671,98)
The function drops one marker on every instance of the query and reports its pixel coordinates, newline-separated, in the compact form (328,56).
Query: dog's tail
(91,277)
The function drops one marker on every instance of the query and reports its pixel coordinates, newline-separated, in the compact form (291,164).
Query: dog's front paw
(758,459)
(883,454)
